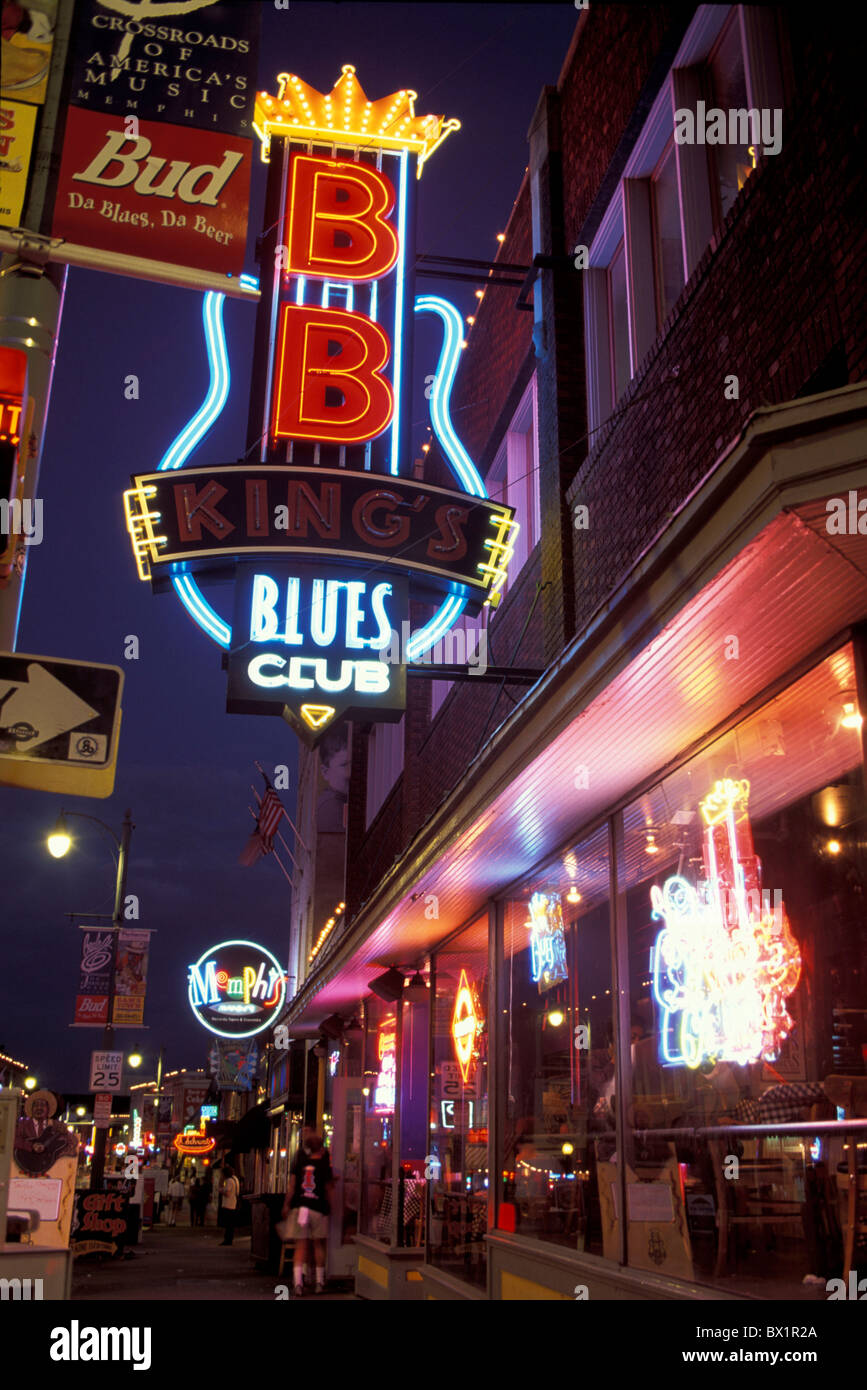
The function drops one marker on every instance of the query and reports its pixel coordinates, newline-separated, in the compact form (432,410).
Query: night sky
(185,766)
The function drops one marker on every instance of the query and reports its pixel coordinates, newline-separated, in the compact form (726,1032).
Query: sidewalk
(180,1263)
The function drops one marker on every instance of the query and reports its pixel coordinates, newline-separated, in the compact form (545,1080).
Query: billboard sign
(236,989)
(154,191)
(184,63)
(17,124)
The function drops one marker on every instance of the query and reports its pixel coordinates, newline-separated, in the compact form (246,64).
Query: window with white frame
(384,764)
(513,478)
(733,163)
(667,234)
(671,197)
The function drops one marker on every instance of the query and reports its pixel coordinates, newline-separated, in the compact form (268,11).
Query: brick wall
(499,344)
(776,290)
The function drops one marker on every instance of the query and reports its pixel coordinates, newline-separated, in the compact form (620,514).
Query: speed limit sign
(105,1071)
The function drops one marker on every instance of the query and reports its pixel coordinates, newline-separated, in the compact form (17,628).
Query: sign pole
(31,304)
(97,1168)
(270,270)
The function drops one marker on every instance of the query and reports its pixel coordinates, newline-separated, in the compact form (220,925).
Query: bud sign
(166,194)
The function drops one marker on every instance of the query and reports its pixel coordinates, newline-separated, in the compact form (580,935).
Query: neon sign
(384,1091)
(335,418)
(466,1023)
(236,989)
(548,966)
(309,642)
(193,1142)
(726,961)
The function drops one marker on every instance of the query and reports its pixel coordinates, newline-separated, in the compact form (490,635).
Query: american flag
(270,815)
(262,839)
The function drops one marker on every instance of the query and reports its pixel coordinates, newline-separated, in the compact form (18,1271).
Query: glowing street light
(59,841)
(134,1060)
(30,1083)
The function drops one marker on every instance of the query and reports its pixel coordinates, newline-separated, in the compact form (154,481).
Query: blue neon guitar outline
(212,406)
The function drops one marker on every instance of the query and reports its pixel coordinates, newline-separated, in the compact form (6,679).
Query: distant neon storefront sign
(725,963)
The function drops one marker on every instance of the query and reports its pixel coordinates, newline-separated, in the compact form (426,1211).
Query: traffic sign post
(59,724)
(102,1110)
(106,1069)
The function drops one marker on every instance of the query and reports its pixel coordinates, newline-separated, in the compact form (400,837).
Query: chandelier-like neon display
(725,962)
(548,965)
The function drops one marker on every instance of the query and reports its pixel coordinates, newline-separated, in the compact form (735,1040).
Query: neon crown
(345,116)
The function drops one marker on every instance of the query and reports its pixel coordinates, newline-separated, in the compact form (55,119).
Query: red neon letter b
(308,369)
(331,198)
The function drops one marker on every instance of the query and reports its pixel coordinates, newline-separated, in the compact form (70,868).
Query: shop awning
(253,1130)
(749,555)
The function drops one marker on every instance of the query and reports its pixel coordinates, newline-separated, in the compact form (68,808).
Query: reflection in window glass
(668,246)
(734,162)
(744,876)
(559,1052)
(380,1080)
(619,313)
(459,1107)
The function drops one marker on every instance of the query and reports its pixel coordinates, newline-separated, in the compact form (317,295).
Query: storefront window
(559,1050)
(458,1158)
(743,885)
(380,1084)
(414,1142)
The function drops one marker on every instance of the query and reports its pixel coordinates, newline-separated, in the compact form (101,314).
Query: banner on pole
(94,985)
(130,980)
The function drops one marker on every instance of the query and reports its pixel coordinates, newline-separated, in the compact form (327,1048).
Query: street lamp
(30,1083)
(59,842)
(134,1060)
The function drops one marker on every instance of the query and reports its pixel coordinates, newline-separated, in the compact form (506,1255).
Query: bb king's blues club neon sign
(326,533)
(236,989)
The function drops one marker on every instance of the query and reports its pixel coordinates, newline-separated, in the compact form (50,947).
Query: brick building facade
(691,326)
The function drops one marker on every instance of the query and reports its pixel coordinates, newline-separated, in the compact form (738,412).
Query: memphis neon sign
(236,989)
(725,962)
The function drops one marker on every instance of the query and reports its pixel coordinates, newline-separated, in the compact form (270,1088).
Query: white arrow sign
(41,704)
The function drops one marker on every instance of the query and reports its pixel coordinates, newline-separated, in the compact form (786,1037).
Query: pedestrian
(231,1190)
(176,1200)
(195,1201)
(308,1206)
(203,1195)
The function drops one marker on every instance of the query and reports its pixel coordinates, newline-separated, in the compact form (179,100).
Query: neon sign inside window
(725,962)
(384,1091)
(548,965)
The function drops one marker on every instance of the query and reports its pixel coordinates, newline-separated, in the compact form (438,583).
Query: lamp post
(59,843)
